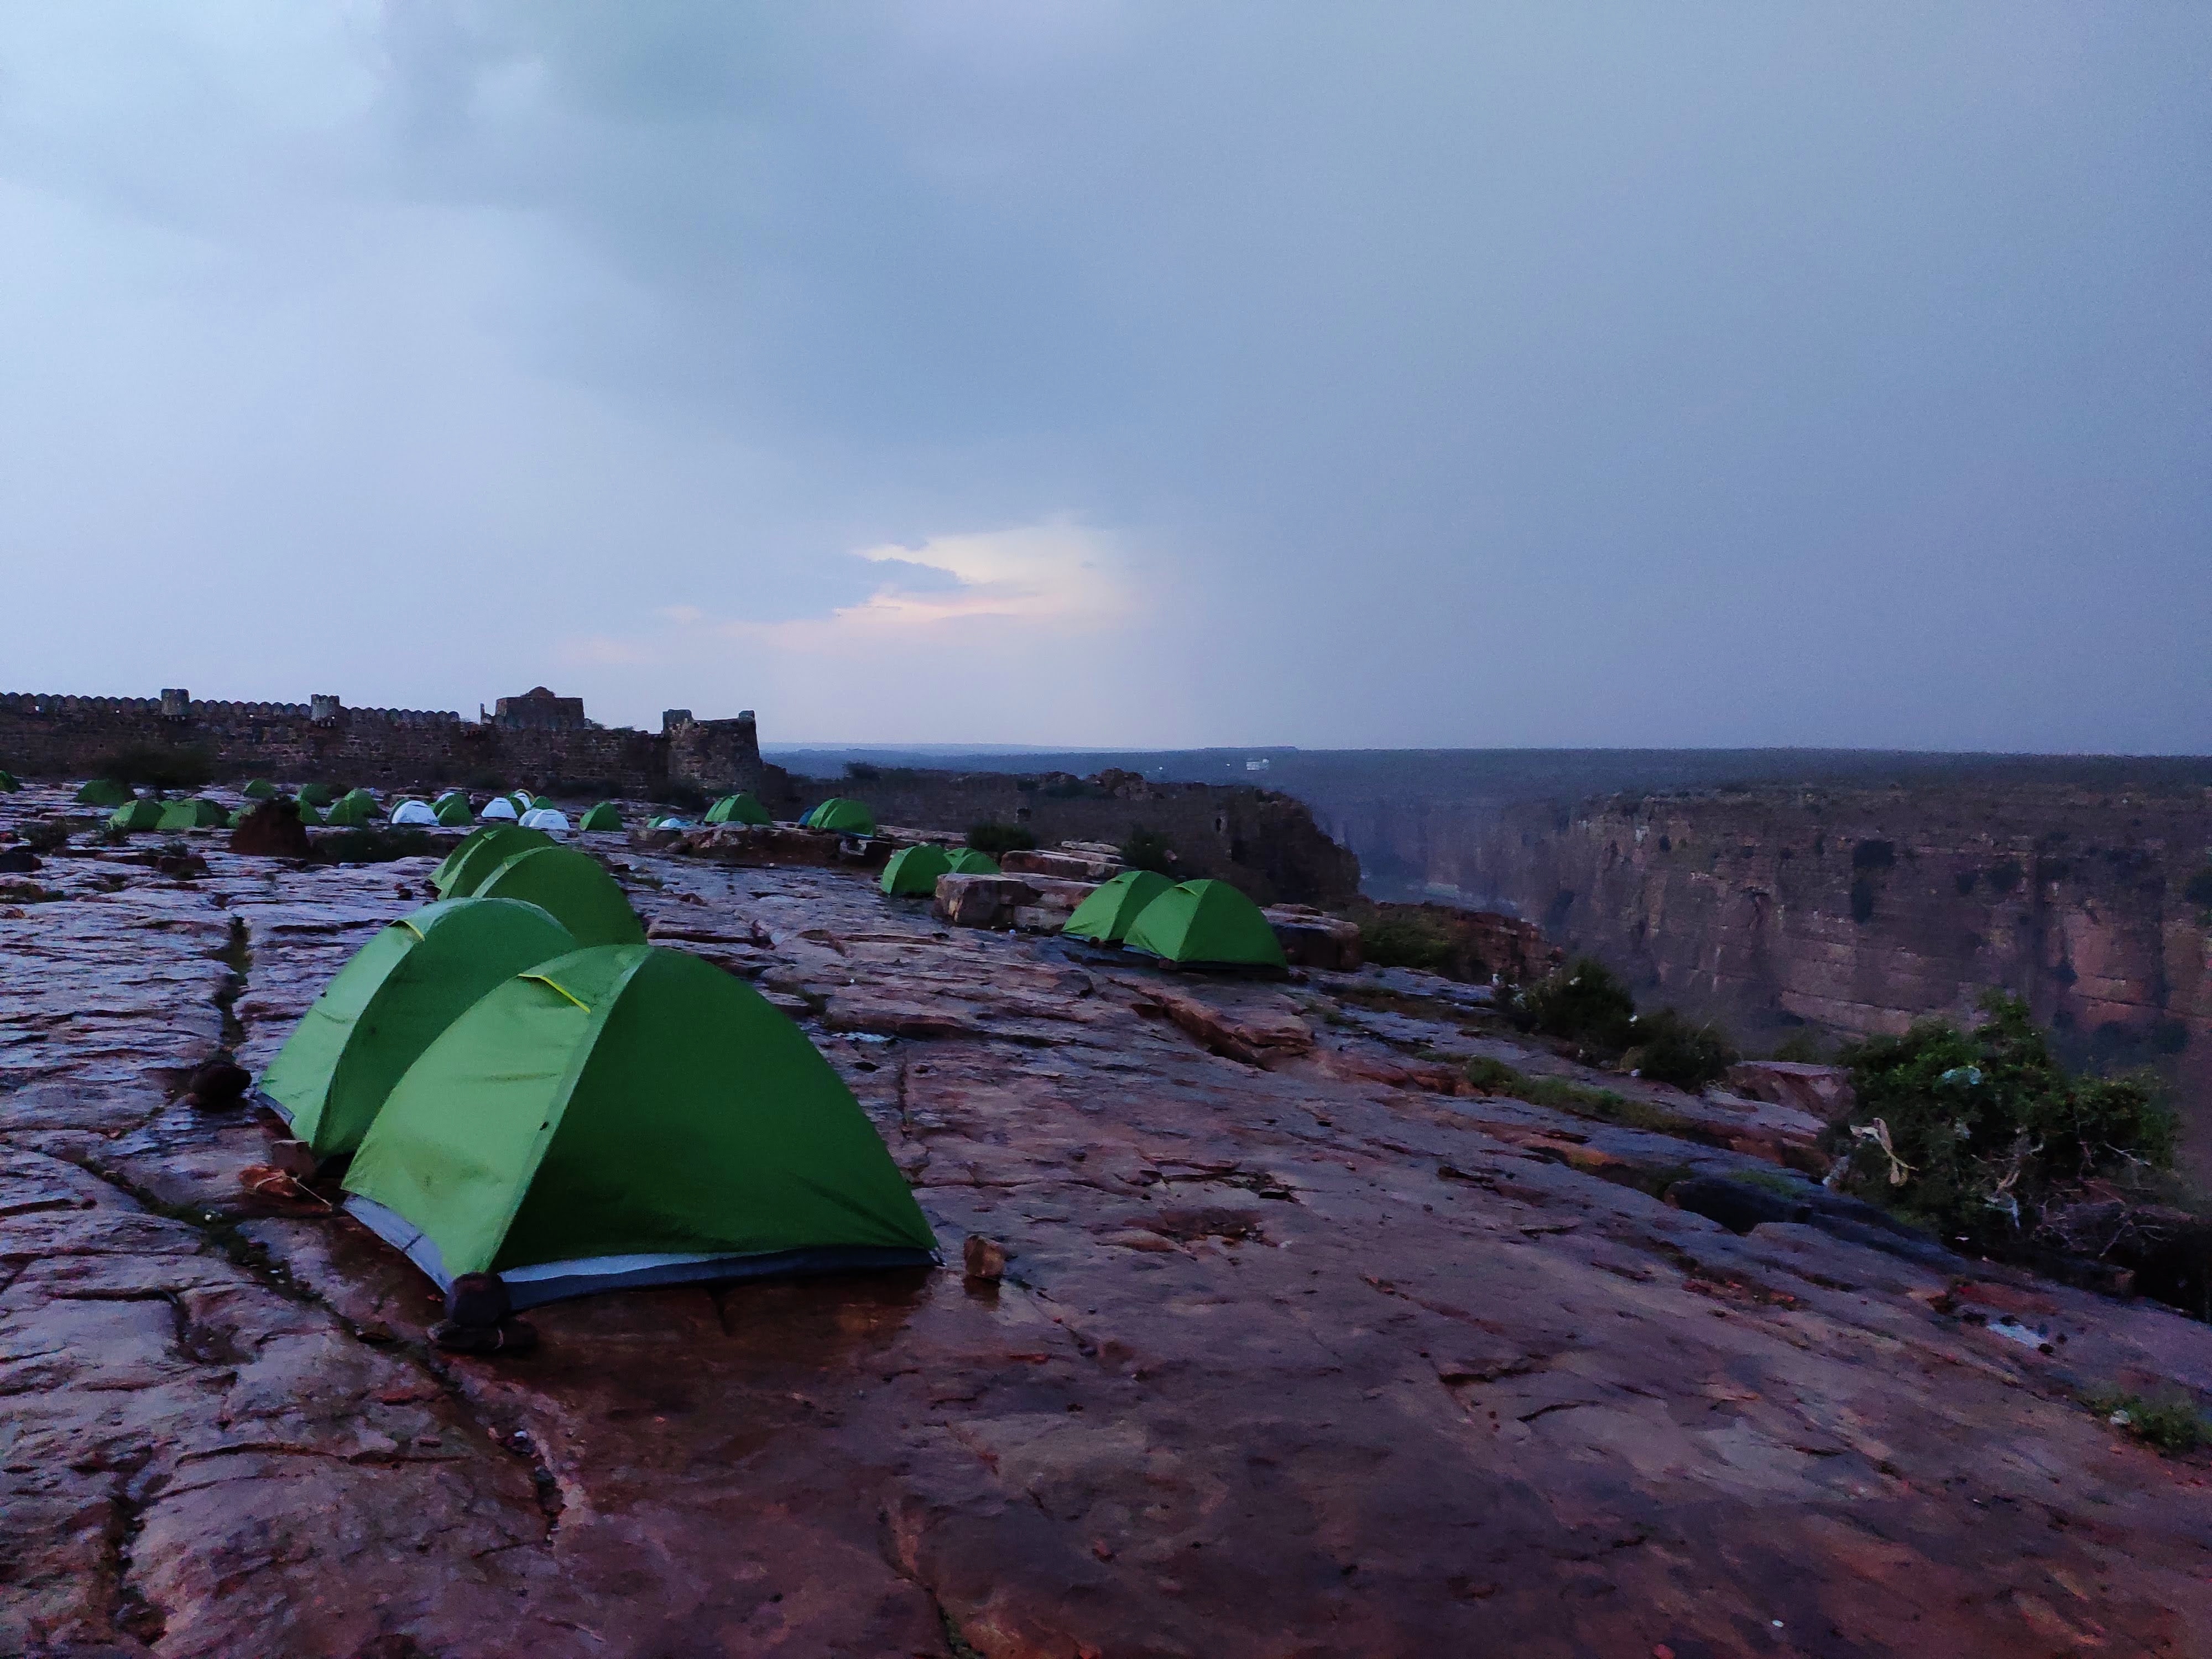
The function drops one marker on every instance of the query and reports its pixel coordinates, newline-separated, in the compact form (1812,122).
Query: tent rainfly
(1106,914)
(452,811)
(104,791)
(545,817)
(413,812)
(316,794)
(1205,924)
(387,1004)
(605,816)
(912,870)
(356,808)
(481,851)
(138,815)
(738,808)
(192,813)
(969,862)
(259,789)
(499,806)
(624,1117)
(574,887)
(840,814)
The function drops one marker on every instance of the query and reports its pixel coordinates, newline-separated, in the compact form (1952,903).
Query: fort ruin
(537,738)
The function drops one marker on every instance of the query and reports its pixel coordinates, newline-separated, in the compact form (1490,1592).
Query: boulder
(272,830)
(1064,864)
(1313,939)
(1036,904)
(1823,1090)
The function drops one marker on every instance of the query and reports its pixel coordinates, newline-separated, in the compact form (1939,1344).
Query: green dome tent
(316,795)
(192,813)
(1205,923)
(356,809)
(623,1116)
(914,869)
(969,862)
(605,816)
(1106,914)
(842,814)
(307,809)
(259,789)
(104,791)
(8,781)
(480,852)
(574,887)
(452,809)
(138,815)
(387,1004)
(738,808)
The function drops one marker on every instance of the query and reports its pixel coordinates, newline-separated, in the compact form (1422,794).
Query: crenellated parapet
(535,741)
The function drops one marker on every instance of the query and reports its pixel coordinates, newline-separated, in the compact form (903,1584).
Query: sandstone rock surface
(1292,1349)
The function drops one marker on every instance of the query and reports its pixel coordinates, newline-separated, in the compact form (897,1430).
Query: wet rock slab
(1300,1348)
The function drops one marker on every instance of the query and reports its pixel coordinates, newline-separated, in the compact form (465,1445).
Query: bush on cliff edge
(1982,1134)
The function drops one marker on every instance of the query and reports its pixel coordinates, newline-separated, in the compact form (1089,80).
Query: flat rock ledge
(1297,1347)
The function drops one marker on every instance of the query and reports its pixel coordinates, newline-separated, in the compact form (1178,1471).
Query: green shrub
(997,839)
(1985,1128)
(1148,849)
(1670,1049)
(1582,1002)
(1493,1076)
(1397,939)
(2173,1425)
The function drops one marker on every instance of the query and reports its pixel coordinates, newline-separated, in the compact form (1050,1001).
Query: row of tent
(356,809)
(1192,923)
(518,1094)
(912,870)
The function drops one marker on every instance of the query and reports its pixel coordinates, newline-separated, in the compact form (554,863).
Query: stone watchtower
(717,757)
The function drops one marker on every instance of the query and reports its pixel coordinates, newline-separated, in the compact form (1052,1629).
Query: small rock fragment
(479,1299)
(984,1259)
(509,1336)
(217,1086)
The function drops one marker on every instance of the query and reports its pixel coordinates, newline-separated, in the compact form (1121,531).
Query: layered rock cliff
(1856,911)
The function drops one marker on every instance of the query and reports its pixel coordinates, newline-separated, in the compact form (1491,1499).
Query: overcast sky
(1089,372)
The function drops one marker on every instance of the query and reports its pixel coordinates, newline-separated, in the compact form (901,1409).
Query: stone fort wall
(67,737)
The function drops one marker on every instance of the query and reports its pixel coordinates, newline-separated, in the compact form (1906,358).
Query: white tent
(413,812)
(544,817)
(499,806)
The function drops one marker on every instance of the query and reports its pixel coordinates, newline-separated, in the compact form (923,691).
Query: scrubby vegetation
(2173,1425)
(1402,936)
(1671,1049)
(1585,1003)
(997,839)
(179,766)
(1983,1136)
(1148,849)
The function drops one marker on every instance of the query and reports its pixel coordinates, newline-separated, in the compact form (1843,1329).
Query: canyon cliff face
(1856,911)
